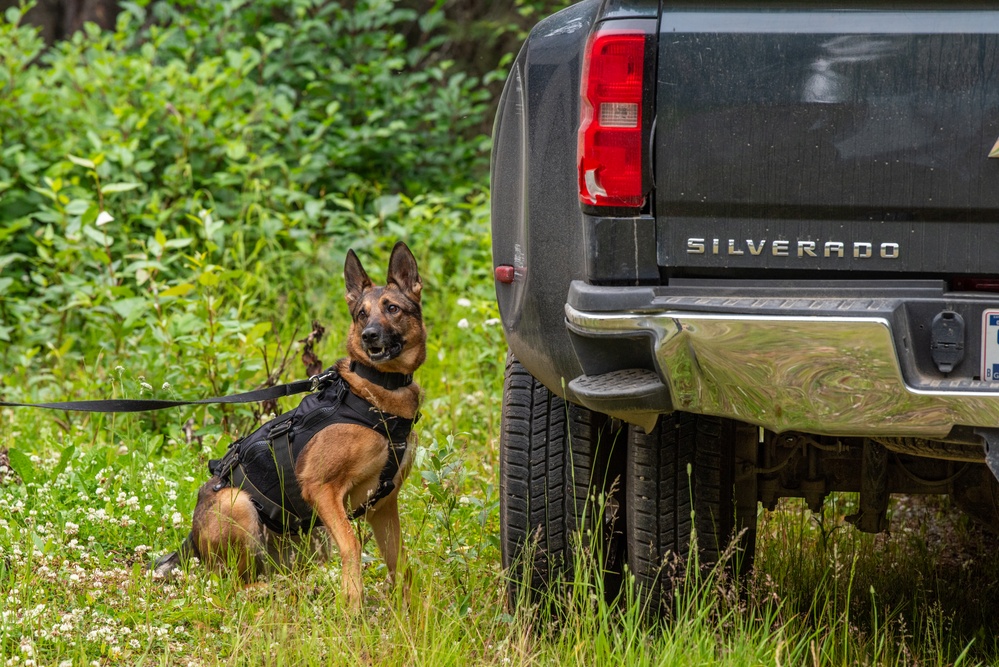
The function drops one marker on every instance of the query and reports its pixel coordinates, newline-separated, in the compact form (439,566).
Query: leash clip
(318,380)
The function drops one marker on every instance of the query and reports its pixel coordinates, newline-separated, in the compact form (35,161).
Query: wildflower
(463,323)
(464,303)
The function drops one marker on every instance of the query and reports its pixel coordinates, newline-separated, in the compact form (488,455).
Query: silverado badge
(995,150)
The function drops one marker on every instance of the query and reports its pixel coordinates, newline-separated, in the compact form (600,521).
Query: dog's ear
(356,278)
(403,271)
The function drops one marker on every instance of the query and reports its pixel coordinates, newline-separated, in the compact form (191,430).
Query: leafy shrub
(164,185)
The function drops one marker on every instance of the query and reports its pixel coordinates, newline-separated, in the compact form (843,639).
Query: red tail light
(610,128)
(974,284)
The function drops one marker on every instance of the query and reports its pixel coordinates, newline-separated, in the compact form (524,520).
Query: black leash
(148,404)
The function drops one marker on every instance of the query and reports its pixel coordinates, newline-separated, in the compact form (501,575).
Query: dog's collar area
(390,381)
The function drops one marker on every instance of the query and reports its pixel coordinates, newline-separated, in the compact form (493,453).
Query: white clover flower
(464,303)
(166,385)
(463,323)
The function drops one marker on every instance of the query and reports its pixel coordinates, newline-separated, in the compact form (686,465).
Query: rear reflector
(505,274)
(610,129)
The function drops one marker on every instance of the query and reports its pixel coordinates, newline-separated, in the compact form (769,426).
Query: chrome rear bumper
(834,375)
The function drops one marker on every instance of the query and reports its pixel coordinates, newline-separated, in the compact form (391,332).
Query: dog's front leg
(328,501)
(384,523)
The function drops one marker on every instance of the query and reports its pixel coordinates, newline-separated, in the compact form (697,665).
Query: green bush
(177,196)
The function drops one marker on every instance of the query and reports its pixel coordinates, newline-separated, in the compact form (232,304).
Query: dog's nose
(370,335)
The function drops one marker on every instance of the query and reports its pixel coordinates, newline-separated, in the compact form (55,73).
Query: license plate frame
(990,345)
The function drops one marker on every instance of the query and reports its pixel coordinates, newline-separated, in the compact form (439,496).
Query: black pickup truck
(743,250)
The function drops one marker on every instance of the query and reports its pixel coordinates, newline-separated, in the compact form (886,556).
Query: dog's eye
(362,315)
(392,309)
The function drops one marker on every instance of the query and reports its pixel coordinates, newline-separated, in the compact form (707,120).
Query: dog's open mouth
(379,353)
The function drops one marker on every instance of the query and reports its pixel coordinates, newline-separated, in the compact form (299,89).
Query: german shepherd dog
(340,467)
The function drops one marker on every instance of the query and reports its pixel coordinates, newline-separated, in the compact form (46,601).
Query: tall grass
(103,499)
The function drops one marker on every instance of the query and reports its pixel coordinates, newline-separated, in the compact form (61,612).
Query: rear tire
(549,450)
(660,494)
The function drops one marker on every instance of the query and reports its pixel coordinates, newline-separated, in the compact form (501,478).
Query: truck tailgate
(828,140)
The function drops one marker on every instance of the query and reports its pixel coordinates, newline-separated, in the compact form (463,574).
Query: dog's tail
(175,560)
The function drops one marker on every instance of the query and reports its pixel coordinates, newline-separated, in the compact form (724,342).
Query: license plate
(990,346)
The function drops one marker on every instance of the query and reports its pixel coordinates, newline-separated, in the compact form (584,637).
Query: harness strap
(393,427)
(273,514)
(284,458)
(386,481)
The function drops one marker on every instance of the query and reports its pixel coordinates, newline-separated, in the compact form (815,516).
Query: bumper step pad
(624,393)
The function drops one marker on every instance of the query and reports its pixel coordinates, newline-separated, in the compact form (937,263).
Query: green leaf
(177,290)
(119,187)
(21,464)
(97,235)
(81,161)
(77,207)
(258,330)
(128,308)
(64,459)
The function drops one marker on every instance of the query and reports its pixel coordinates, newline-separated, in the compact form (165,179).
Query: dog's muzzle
(378,346)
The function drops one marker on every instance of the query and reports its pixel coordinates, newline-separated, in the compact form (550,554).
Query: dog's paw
(166,566)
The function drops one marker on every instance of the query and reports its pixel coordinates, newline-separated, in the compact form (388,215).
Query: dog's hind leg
(227,532)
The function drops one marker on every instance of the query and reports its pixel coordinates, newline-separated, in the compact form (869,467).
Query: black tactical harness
(263,462)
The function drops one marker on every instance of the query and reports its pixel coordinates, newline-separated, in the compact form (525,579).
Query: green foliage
(177,196)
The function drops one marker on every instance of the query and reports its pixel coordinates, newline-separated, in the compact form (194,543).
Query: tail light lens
(610,145)
(974,284)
